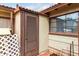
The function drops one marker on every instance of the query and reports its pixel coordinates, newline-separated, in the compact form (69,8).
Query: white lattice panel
(9,45)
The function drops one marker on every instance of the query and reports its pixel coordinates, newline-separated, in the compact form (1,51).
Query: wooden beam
(5,17)
(4,14)
(63,13)
(6,11)
(78,35)
(12,28)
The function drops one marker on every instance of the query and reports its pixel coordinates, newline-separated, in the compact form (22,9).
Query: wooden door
(31,36)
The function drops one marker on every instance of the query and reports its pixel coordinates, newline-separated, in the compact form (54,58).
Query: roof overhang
(6,9)
(61,9)
(54,7)
(19,8)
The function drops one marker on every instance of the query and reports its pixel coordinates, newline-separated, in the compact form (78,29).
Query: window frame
(75,34)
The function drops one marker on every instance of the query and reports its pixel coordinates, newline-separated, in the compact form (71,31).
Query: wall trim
(64,34)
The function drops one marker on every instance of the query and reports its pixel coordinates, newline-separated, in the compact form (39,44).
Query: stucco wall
(43,33)
(63,42)
(17,25)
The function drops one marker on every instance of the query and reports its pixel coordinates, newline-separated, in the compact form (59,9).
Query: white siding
(43,33)
(62,42)
(17,25)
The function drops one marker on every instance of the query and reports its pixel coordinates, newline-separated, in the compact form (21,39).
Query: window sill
(65,34)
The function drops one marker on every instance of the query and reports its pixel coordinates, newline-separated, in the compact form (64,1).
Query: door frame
(23,25)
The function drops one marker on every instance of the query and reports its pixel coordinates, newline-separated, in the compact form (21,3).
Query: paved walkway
(44,54)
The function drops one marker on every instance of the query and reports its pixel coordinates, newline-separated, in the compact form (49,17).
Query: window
(65,23)
(5,26)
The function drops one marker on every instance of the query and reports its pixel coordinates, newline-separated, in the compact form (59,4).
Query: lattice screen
(9,45)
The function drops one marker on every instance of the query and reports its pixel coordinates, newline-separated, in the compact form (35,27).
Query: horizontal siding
(63,43)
